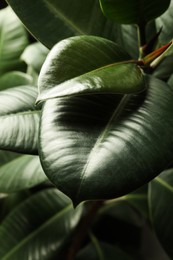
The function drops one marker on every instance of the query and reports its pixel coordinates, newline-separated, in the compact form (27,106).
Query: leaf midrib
(34,233)
(63,18)
(164,184)
(115,116)
(45,97)
(29,112)
(97,246)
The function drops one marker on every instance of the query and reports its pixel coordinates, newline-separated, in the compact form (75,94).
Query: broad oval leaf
(21,173)
(104,146)
(160,201)
(13,41)
(38,227)
(64,22)
(88,64)
(133,11)
(19,121)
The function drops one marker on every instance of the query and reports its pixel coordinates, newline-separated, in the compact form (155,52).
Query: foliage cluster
(86,130)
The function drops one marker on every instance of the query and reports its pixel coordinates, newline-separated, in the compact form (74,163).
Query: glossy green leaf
(38,227)
(19,121)
(9,201)
(165,22)
(34,55)
(164,69)
(128,38)
(160,201)
(14,79)
(56,21)
(13,41)
(88,64)
(170,81)
(104,146)
(133,11)
(21,173)
(6,156)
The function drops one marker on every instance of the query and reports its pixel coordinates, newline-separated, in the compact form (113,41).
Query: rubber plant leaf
(59,21)
(105,146)
(19,119)
(133,11)
(88,64)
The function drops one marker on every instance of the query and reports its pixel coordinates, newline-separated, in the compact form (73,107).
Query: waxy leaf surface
(59,19)
(88,64)
(104,146)
(165,22)
(21,173)
(38,227)
(19,120)
(133,11)
(13,41)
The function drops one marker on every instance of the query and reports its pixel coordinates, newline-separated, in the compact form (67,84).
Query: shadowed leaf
(104,146)
(133,11)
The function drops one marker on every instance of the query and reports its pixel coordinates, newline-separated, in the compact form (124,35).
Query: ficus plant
(86,130)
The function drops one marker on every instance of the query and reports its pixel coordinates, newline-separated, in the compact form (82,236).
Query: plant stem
(83,228)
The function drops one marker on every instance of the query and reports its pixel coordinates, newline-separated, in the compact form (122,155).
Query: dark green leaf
(13,41)
(101,251)
(128,38)
(14,79)
(9,201)
(103,146)
(59,19)
(139,200)
(164,69)
(6,156)
(21,173)
(34,55)
(165,22)
(38,227)
(170,81)
(19,121)
(160,201)
(88,64)
(133,11)
(120,210)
